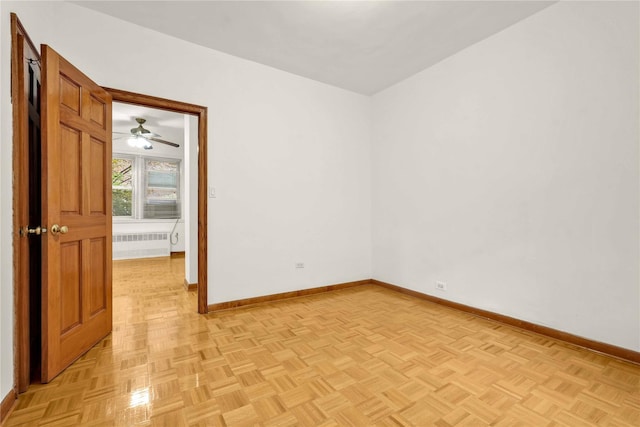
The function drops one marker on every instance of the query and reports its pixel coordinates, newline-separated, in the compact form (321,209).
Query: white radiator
(141,245)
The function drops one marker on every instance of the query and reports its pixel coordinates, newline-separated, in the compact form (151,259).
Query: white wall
(289,157)
(190,233)
(510,172)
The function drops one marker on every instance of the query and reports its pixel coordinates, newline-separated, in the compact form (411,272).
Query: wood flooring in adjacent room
(361,356)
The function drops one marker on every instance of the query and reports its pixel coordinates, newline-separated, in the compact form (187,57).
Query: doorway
(201,114)
(154,173)
(25,94)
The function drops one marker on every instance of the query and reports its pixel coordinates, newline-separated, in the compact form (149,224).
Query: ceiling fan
(141,137)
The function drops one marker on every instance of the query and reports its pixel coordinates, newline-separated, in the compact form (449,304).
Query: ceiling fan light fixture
(137,141)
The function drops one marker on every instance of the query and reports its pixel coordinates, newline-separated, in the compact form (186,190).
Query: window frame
(134,185)
(139,187)
(144,184)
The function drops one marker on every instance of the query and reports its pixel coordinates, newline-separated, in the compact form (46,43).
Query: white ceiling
(362,46)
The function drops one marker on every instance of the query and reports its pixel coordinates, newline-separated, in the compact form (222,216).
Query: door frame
(21,348)
(20,42)
(201,113)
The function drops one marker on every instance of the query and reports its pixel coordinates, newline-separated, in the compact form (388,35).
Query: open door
(76,213)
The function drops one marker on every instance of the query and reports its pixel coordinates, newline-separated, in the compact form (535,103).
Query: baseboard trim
(589,344)
(7,405)
(190,286)
(285,295)
(608,349)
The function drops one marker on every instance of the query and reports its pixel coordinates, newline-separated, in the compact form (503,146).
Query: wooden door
(76,210)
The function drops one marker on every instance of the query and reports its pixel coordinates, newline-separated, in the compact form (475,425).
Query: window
(122,186)
(161,189)
(145,187)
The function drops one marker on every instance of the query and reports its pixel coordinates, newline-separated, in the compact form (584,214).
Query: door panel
(97,160)
(97,295)
(70,286)
(76,157)
(70,141)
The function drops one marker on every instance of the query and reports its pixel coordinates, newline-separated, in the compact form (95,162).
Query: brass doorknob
(55,229)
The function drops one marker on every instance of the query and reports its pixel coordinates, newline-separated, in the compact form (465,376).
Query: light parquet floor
(357,357)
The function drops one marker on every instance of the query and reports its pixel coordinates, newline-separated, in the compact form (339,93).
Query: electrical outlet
(441,286)
(299,264)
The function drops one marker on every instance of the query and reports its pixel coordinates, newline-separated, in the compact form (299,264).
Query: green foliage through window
(122,186)
(122,202)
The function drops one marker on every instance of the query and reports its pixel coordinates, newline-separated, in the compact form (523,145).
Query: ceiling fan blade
(162,141)
(140,131)
(121,133)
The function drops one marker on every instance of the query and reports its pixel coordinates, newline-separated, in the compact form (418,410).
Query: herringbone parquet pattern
(357,357)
